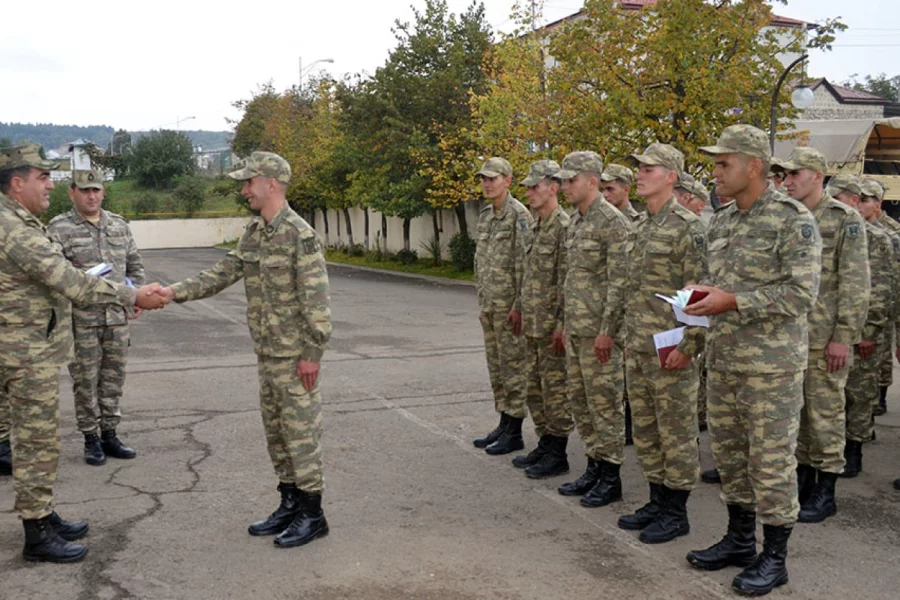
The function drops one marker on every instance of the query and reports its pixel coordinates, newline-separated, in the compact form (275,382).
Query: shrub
(59,201)
(190,192)
(462,252)
(356,250)
(406,257)
(434,249)
(145,204)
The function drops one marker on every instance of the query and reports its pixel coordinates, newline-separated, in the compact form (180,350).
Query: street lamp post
(307,69)
(178,122)
(800,98)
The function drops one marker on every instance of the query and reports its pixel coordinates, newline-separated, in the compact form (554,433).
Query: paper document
(665,342)
(100,270)
(682,299)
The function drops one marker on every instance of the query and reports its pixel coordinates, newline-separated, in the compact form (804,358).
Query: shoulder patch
(806,232)
(523,224)
(853,230)
(699,240)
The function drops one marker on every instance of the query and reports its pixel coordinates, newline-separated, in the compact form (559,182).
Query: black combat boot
(510,440)
(711,476)
(629,436)
(487,440)
(820,505)
(583,484)
(114,447)
(308,525)
(769,570)
(881,408)
(852,458)
(646,514)
(737,548)
(532,458)
(672,521)
(897,484)
(554,462)
(68,530)
(279,520)
(93,450)
(5,458)
(43,544)
(607,489)
(806,482)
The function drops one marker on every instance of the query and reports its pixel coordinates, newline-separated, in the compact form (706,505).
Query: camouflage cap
(873,188)
(25,155)
(843,183)
(614,172)
(802,157)
(579,162)
(743,139)
(88,179)
(685,183)
(661,154)
(699,190)
(495,166)
(263,164)
(539,171)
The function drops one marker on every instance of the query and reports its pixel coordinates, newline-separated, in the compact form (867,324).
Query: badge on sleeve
(523,224)
(806,231)
(853,230)
(699,240)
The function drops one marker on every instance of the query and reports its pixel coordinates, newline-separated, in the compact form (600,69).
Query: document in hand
(685,298)
(101,270)
(666,341)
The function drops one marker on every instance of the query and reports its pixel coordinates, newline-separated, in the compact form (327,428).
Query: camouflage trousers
(701,392)
(507,365)
(98,375)
(862,395)
(664,418)
(546,389)
(753,423)
(886,370)
(5,418)
(292,419)
(32,394)
(595,394)
(820,443)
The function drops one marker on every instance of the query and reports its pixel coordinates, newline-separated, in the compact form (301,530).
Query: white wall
(186,233)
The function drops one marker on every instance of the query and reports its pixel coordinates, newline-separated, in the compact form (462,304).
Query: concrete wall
(826,107)
(186,233)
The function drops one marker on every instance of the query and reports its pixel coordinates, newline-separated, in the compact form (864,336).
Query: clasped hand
(153,296)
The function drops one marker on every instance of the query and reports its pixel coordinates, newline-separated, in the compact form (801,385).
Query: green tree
(5,142)
(250,131)
(879,85)
(156,159)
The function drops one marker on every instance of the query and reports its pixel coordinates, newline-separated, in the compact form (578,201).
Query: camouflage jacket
(631,214)
(36,285)
(883,273)
(666,252)
(892,229)
(288,304)
(769,257)
(840,308)
(594,292)
(500,254)
(87,245)
(542,283)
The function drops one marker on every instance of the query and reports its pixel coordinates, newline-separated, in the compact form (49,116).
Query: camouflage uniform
(886,350)
(289,316)
(100,331)
(614,172)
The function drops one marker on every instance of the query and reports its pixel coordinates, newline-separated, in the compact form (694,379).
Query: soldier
(503,235)
(699,199)
(861,391)
(875,190)
(90,236)
(666,251)
(835,324)
(279,257)
(542,292)
(684,188)
(36,285)
(594,301)
(764,253)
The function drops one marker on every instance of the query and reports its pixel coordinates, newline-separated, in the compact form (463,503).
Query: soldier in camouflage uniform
(542,291)
(874,190)
(90,236)
(36,285)
(684,189)
(666,253)
(279,257)
(699,199)
(835,324)
(594,298)
(861,391)
(764,264)
(503,235)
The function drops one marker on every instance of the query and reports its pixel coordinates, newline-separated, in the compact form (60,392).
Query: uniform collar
(664,211)
(763,201)
(19,211)
(272,226)
(80,218)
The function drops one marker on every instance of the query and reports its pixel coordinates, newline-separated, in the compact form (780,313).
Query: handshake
(153,296)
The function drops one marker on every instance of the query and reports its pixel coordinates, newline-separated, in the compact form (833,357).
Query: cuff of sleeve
(843,336)
(688,347)
(312,354)
(870,333)
(745,306)
(178,290)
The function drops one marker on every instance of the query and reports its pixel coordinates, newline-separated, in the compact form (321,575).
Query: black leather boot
(532,458)
(806,482)
(487,440)
(308,525)
(93,450)
(852,458)
(279,520)
(510,440)
(711,476)
(646,514)
(820,505)
(114,447)
(68,530)
(897,484)
(608,488)
(583,484)
(672,521)
(43,544)
(769,570)
(554,462)
(629,436)
(881,408)
(737,548)
(5,458)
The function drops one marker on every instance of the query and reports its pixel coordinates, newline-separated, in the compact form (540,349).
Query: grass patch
(422,266)
(124,194)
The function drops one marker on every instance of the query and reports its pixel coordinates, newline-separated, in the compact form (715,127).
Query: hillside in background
(52,136)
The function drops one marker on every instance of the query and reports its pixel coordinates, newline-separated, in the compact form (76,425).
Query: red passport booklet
(696,296)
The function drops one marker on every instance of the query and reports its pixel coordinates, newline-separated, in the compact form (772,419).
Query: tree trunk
(406,223)
(384,231)
(366,225)
(312,218)
(325,220)
(437,237)
(460,210)
(349,228)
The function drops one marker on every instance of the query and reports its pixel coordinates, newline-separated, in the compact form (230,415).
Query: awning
(843,142)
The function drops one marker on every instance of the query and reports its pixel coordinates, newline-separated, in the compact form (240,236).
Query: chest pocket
(717,254)
(277,271)
(588,249)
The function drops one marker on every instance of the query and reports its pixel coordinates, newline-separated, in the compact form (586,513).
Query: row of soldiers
(798,292)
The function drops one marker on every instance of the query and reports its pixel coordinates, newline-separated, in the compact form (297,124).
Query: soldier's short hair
(6,177)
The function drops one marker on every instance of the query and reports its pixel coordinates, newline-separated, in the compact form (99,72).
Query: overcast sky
(145,65)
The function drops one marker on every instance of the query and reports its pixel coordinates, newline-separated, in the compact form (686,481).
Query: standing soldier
(90,236)
(279,257)
(36,285)
(503,235)
(699,199)
(684,189)
(542,292)
(666,251)
(835,325)
(764,253)
(874,190)
(5,451)
(594,302)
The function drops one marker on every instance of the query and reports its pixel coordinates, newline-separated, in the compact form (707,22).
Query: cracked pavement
(415,511)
